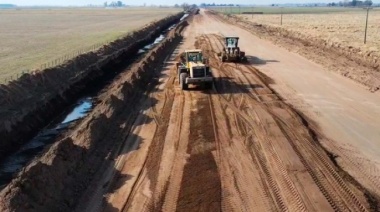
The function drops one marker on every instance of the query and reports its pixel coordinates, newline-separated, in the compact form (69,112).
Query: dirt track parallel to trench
(273,135)
(235,147)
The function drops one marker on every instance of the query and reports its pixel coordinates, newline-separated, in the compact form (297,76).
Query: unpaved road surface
(347,114)
(238,146)
(278,133)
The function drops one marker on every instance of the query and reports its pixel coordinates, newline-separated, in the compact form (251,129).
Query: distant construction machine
(193,69)
(231,51)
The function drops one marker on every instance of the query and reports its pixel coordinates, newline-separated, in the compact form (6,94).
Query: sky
(158,2)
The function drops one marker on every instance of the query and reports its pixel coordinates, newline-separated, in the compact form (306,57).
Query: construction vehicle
(231,51)
(193,69)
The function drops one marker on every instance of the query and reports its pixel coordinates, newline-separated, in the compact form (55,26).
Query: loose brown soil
(149,146)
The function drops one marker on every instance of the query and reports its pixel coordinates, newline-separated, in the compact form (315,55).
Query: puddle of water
(159,39)
(80,111)
(152,45)
(16,161)
(184,16)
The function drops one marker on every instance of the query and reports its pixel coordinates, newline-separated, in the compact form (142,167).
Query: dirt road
(251,143)
(237,147)
(347,114)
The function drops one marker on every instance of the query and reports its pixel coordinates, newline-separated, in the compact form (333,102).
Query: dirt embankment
(28,104)
(56,181)
(363,67)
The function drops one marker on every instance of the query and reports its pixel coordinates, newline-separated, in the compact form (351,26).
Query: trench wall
(57,180)
(29,103)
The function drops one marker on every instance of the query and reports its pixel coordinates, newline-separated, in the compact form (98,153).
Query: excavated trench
(30,103)
(59,179)
(78,107)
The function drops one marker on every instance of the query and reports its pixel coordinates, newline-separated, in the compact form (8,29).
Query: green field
(36,38)
(285,10)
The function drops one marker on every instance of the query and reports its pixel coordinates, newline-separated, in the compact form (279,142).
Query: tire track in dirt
(354,200)
(331,184)
(247,181)
(285,184)
(241,183)
(149,172)
(342,189)
(176,174)
(158,165)
(201,186)
(371,173)
(356,163)
(267,146)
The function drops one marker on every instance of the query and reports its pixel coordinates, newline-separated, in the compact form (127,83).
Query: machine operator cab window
(194,57)
(231,42)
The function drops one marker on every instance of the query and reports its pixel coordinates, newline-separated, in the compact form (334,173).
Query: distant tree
(368,3)
(176,6)
(105,4)
(119,3)
(185,6)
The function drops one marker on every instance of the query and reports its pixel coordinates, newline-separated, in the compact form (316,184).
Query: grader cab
(193,69)
(231,51)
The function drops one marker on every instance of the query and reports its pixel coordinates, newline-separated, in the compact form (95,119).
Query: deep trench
(78,107)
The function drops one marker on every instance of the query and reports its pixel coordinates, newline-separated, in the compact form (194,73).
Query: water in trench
(47,136)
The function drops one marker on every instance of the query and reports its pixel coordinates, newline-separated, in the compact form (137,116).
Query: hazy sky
(148,2)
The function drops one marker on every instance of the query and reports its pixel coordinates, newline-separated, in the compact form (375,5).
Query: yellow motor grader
(193,69)
(231,51)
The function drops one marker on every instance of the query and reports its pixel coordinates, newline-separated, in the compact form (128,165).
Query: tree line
(353,3)
(217,5)
(114,4)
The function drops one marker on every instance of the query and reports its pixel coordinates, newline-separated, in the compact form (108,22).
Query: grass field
(30,38)
(343,28)
(285,10)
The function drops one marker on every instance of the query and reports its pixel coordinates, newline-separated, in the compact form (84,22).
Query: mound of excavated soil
(30,102)
(56,181)
(363,67)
